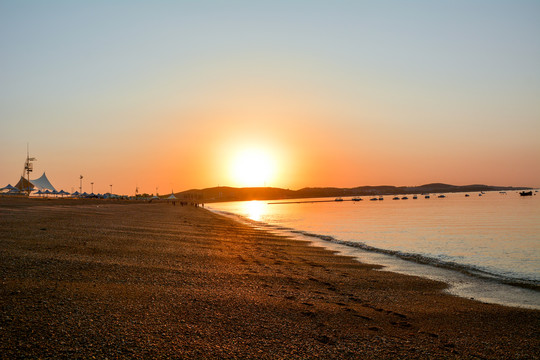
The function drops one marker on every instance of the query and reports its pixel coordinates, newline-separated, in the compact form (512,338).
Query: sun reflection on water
(255,209)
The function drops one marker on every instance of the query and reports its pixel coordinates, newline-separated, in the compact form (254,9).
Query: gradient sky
(338,93)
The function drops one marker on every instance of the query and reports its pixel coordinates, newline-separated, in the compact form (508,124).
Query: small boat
(526,193)
(480,194)
(466,195)
(415,197)
(395,198)
(404,198)
(381,198)
(373,199)
(441,196)
(427,196)
(357,199)
(338,199)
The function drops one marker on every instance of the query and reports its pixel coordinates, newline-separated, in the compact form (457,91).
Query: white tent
(41,183)
(172,197)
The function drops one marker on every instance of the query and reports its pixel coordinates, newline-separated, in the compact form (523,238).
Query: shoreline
(464,279)
(462,284)
(154,280)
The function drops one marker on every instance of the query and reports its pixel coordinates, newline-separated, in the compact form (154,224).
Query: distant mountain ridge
(226,193)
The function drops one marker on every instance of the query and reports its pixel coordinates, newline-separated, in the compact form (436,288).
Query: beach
(112,279)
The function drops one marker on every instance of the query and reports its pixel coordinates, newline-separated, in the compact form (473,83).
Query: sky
(174,95)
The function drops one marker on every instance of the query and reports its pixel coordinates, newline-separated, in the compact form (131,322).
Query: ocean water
(485,247)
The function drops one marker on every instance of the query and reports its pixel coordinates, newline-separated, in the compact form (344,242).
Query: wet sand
(105,279)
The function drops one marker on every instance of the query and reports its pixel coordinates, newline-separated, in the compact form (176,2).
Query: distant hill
(226,193)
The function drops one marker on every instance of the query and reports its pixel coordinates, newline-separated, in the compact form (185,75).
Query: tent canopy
(8,187)
(24,185)
(42,183)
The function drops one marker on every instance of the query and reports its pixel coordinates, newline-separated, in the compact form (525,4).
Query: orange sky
(337,94)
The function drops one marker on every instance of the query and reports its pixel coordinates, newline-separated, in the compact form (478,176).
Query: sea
(485,246)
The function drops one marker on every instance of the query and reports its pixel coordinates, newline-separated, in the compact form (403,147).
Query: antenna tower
(28,168)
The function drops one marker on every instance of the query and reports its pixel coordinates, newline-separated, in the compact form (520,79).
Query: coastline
(512,281)
(459,283)
(106,279)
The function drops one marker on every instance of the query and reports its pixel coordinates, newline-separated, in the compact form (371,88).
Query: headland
(227,193)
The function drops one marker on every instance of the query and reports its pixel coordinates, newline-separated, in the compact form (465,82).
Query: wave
(470,270)
(426,260)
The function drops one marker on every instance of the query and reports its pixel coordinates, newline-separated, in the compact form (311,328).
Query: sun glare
(255,209)
(252,168)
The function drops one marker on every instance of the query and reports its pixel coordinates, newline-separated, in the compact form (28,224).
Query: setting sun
(252,168)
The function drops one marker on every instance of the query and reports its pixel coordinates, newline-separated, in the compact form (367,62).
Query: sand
(104,279)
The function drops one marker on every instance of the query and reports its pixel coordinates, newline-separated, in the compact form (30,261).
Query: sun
(252,168)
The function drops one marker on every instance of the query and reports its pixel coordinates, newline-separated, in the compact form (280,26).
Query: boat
(338,199)
(415,197)
(395,198)
(381,198)
(466,195)
(427,196)
(356,199)
(526,193)
(373,199)
(404,198)
(441,196)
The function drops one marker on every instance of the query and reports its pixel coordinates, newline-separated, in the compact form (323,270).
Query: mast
(28,168)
